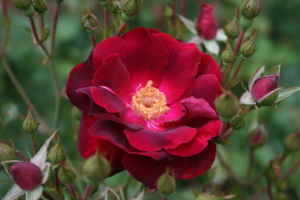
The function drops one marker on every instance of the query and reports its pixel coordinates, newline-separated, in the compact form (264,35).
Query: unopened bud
(258,137)
(291,143)
(6,153)
(251,8)
(208,176)
(26,175)
(131,7)
(66,174)
(238,122)
(272,172)
(227,106)
(40,6)
(232,29)
(57,154)
(30,125)
(22,4)
(228,54)
(45,34)
(168,11)
(126,18)
(95,169)
(89,21)
(248,47)
(166,183)
(206,24)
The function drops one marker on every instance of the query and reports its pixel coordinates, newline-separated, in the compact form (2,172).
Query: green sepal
(285,93)
(238,122)
(270,98)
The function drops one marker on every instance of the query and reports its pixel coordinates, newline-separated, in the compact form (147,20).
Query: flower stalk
(122,28)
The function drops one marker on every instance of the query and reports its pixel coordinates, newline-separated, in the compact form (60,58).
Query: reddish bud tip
(264,86)
(207,24)
(26,175)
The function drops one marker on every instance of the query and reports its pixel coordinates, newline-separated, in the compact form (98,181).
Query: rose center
(149,102)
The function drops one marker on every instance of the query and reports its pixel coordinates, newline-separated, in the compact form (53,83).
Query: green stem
(57,182)
(72,190)
(105,15)
(93,40)
(6,27)
(23,93)
(122,28)
(269,189)
(292,170)
(250,166)
(183,7)
(34,146)
(20,155)
(87,192)
(236,71)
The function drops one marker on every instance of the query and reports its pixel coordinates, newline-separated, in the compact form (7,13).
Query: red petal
(264,86)
(184,60)
(207,23)
(113,74)
(88,144)
(206,87)
(147,170)
(199,142)
(155,140)
(80,76)
(209,66)
(111,102)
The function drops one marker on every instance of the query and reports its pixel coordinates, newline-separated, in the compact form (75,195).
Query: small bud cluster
(89,21)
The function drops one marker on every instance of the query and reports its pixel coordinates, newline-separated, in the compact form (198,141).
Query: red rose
(207,24)
(148,105)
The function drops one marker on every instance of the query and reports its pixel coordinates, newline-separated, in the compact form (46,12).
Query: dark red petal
(113,74)
(26,175)
(206,87)
(94,108)
(80,76)
(155,140)
(209,66)
(207,23)
(184,60)
(264,86)
(147,170)
(199,142)
(108,100)
(156,155)
(88,144)
(144,56)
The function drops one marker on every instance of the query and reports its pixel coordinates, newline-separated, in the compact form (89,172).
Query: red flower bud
(26,175)
(207,24)
(264,86)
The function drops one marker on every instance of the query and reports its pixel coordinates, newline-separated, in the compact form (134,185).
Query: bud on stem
(30,125)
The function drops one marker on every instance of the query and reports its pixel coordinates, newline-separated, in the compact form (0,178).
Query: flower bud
(95,169)
(228,54)
(57,154)
(258,137)
(227,106)
(245,23)
(126,18)
(207,25)
(40,6)
(248,47)
(265,87)
(89,21)
(66,174)
(104,2)
(26,175)
(208,176)
(272,172)
(131,7)
(45,34)
(251,8)
(6,153)
(232,29)
(291,143)
(168,12)
(28,12)
(166,183)
(22,4)
(30,125)
(238,122)
(115,7)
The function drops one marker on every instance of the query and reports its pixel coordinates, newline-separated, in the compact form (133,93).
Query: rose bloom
(207,24)
(148,105)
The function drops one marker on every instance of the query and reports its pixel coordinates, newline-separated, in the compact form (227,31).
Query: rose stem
(250,166)
(52,68)
(93,40)
(235,72)
(34,146)
(292,170)
(183,7)
(229,170)
(87,192)
(237,47)
(48,196)
(36,37)
(22,93)
(173,14)
(57,182)
(42,22)
(6,26)
(72,190)
(121,29)
(269,188)
(20,155)
(105,16)
(282,159)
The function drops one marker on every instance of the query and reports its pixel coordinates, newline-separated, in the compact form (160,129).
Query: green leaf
(225,142)
(275,70)
(270,98)
(13,193)
(111,195)
(34,194)
(284,93)
(139,197)
(122,193)
(6,182)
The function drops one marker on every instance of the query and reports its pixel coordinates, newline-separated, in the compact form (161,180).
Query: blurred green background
(278,24)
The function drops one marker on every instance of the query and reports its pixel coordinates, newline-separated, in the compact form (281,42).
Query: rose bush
(148,105)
